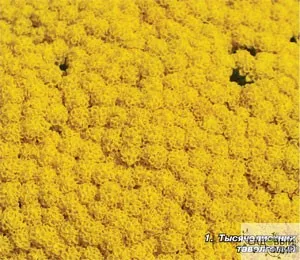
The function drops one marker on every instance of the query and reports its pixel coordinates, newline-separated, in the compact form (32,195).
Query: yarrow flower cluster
(130,129)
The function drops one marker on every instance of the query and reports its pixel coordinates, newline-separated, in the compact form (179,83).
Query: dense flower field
(129,129)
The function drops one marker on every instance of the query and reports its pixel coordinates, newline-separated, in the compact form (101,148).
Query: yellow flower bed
(129,129)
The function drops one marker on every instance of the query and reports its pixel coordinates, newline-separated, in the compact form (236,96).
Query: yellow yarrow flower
(131,129)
